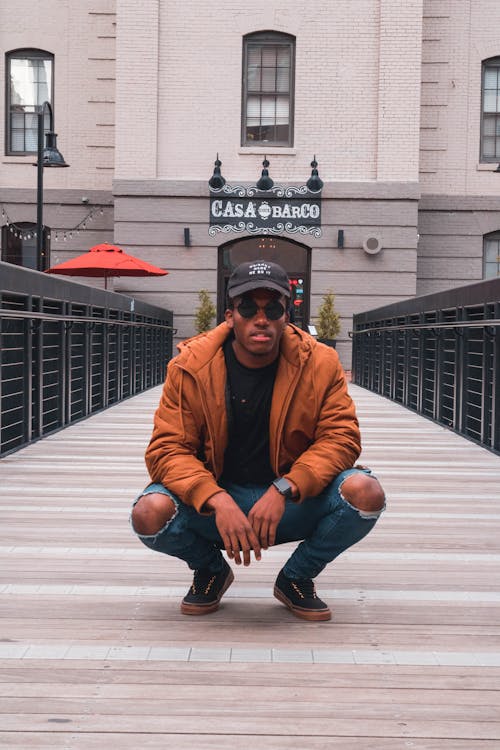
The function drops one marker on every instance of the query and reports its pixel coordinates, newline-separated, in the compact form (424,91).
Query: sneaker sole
(206,609)
(313,615)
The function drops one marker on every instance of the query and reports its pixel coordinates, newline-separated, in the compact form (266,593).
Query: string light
(20,233)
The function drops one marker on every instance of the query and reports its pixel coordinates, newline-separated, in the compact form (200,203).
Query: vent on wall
(372,245)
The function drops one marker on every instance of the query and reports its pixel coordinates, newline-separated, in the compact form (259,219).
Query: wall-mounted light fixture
(314,183)
(187,237)
(217,181)
(340,238)
(265,182)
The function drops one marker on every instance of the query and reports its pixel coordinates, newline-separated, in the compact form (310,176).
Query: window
(19,246)
(491,255)
(29,83)
(490,119)
(268,82)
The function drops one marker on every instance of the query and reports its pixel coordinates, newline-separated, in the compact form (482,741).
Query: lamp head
(52,157)
(217,181)
(265,182)
(314,183)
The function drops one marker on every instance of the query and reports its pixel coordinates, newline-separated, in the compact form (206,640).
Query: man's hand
(234,527)
(266,515)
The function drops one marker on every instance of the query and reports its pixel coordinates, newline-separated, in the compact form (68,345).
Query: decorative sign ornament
(273,210)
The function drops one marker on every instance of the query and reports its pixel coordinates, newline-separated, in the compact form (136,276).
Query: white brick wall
(457,37)
(81,37)
(137,89)
(358,103)
(345,51)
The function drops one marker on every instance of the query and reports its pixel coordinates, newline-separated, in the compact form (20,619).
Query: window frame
(270,39)
(25,53)
(491,236)
(491,62)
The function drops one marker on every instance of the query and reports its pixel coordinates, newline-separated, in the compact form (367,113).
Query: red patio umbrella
(105,260)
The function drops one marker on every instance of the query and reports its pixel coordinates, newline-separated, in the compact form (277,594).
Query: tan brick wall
(354,105)
(400,29)
(387,93)
(457,36)
(82,38)
(137,89)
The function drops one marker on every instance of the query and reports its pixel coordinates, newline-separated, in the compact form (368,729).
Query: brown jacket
(314,432)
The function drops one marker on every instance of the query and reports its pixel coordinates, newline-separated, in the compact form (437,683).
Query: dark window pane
(488,146)
(282,132)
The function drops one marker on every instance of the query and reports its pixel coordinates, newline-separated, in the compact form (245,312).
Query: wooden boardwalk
(94,652)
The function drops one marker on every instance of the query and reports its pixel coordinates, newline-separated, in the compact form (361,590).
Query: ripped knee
(152,512)
(364,493)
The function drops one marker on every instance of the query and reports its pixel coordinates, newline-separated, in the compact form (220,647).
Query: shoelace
(305,588)
(202,581)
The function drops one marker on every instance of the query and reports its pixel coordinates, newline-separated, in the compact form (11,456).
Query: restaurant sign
(254,211)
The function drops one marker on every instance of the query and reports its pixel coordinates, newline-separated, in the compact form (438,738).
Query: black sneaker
(299,595)
(206,590)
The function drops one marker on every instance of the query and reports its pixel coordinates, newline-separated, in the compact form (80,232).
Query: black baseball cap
(258,274)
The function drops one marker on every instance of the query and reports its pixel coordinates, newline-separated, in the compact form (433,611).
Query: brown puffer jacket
(314,433)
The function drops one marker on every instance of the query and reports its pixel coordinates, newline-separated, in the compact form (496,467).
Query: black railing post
(60,351)
(495,385)
(28,373)
(440,356)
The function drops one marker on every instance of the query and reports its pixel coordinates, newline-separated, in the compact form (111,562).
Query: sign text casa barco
(281,209)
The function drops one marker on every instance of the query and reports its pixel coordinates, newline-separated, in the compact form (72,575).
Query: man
(254,444)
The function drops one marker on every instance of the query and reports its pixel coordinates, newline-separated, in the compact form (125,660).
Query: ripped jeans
(325,525)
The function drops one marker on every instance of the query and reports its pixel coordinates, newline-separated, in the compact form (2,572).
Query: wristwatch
(284,487)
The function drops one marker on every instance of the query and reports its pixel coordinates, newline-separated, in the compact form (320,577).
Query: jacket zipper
(283,414)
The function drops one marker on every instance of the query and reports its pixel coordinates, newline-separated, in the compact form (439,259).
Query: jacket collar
(195,353)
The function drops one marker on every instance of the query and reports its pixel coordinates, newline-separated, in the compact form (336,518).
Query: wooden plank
(244,722)
(423,583)
(92,741)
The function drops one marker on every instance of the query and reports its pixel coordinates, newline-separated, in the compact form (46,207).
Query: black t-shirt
(250,393)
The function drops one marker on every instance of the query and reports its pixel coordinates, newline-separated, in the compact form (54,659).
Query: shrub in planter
(328,320)
(205,312)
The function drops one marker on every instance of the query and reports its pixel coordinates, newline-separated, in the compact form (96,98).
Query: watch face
(283,486)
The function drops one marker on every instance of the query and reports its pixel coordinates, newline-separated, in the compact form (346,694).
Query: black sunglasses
(248,308)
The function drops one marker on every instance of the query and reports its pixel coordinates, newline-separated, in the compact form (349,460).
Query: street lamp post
(49,156)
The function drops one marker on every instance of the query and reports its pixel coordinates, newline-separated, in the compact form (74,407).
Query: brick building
(399,101)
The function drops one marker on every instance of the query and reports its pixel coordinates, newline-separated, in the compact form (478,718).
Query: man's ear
(228,317)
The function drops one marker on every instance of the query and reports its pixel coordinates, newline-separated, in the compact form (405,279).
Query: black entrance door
(294,257)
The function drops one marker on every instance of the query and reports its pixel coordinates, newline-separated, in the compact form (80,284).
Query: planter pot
(328,342)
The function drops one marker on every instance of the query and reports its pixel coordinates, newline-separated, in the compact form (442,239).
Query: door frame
(224,269)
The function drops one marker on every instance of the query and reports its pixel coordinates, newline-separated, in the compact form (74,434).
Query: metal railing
(68,351)
(438,355)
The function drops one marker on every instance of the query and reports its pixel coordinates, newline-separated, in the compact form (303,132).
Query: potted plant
(205,312)
(328,321)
